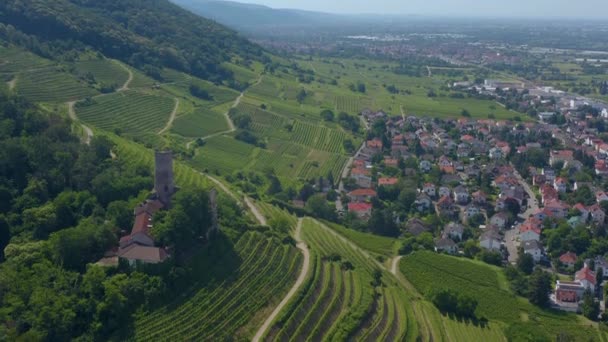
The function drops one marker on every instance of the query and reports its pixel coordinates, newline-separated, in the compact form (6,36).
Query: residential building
(534,248)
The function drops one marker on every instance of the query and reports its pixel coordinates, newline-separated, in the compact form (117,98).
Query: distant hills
(147,34)
(250,17)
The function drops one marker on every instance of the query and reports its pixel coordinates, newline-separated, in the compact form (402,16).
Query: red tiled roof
(360,171)
(375,143)
(568,258)
(359,207)
(363,192)
(387,181)
(142,223)
(586,274)
(527,227)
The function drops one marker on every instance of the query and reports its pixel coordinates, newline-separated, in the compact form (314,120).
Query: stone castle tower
(164,186)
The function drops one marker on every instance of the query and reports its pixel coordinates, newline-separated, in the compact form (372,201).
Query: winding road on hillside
(296,286)
(129,79)
(71,104)
(171,117)
(395,264)
(231,127)
(73,117)
(12,83)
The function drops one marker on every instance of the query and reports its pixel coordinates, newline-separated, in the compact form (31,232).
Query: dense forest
(63,205)
(143,33)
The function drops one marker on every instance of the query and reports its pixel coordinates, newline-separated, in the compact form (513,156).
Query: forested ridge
(147,34)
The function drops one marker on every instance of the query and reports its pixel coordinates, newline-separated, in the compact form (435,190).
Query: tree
(318,206)
(525,263)
(5,235)
(186,222)
(382,223)
(590,307)
(327,115)
(539,288)
(361,87)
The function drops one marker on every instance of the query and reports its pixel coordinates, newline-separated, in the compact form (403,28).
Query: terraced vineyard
(52,85)
(338,301)
(105,71)
(223,154)
(318,137)
(351,104)
(185,176)
(13,60)
(215,309)
(130,112)
(200,123)
(427,271)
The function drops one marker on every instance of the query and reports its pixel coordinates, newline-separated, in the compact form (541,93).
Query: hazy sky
(519,8)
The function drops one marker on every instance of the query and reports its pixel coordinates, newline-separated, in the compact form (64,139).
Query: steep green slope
(143,33)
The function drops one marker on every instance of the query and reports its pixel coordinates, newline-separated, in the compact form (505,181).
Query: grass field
(52,85)
(130,112)
(426,271)
(230,287)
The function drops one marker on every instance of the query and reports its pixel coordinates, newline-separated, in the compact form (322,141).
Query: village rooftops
(586,274)
(568,258)
(359,207)
(387,181)
(146,254)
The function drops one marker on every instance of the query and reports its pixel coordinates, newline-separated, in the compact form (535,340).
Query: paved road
(301,278)
(532,202)
(512,243)
(339,206)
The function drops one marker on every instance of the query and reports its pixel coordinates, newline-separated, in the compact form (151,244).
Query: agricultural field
(427,271)
(105,71)
(199,123)
(412,91)
(14,60)
(223,154)
(374,243)
(131,112)
(339,300)
(185,176)
(52,84)
(230,286)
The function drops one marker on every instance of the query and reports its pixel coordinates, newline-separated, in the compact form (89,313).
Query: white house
(425,166)
(529,233)
(495,153)
(445,245)
(461,195)
(500,220)
(533,248)
(560,184)
(444,191)
(490,240)
(471,210)
(423,202)
(453,230)
(429,189)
